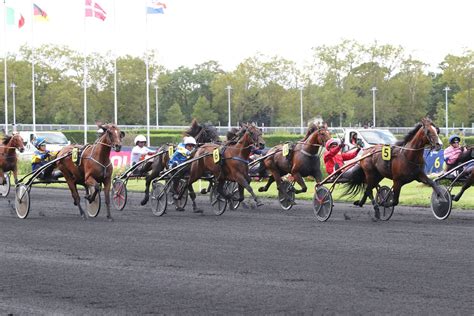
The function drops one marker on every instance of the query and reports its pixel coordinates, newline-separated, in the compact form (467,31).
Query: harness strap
(304,152)
(241,160)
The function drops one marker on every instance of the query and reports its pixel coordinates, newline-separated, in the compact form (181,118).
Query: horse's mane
(408,137)
(232,133)
(6,139)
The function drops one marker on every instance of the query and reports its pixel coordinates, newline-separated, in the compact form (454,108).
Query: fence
(223,129)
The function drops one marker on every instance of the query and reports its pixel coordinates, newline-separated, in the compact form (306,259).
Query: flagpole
(33,99)
(85,80)
(115,70)
(147,81)
(5,63)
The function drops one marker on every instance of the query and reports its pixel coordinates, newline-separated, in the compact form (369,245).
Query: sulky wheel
(286,201)
(93,208)
(232,188)
(441,205)
(5,187)
(119,194)
(22,200)
(158,199)
(322,203)
(218,202)
(384,200)
(182,186)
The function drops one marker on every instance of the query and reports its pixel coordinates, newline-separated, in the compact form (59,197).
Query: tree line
(336,85)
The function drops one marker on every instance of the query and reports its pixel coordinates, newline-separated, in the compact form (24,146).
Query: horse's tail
(356,183)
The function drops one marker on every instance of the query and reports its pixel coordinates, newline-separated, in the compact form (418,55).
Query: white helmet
(139,138)
(189,141)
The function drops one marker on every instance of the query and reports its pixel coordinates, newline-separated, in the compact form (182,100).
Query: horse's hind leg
(154,174)
(244,182)
(77,199)
(192,195)
(464,188)
(299,179)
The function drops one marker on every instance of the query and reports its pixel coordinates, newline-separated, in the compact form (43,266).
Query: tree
(174,116)
(203,111)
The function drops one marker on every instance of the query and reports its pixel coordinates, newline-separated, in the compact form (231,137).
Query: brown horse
(466,155)
(301,161)
(405,164)
(93,168)
(233,164)
(203,133)
(8,158)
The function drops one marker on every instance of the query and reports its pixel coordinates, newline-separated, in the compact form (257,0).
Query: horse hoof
(357,203)
(346,217)
(204,191)
(179,209)
(261,189)
(197,211)
(258,203)
(144,202)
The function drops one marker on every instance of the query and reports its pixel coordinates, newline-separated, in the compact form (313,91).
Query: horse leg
(464,188)
(424,179)
(2,177)
(299,179)
(107,183)
(267,186)
(77,199)
(91,183)
(242,181)
(15,174)
(153,175)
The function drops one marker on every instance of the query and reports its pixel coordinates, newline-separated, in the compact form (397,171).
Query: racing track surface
(247,261)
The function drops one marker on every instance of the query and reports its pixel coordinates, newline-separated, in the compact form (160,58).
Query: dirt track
(247,261)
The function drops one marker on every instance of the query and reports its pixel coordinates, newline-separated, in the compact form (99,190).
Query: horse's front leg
(299,179)
(267,186)
(149,178)
(2,177)
(107,184)
(245,183)
(423,178)
(91,183)
(15,174)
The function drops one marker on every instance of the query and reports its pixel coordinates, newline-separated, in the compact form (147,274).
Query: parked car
(55,141)
(368,137)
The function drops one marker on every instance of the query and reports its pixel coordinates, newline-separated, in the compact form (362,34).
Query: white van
(55,141)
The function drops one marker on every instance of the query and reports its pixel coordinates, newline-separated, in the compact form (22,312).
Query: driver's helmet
(40,141)
(332,141)
(454,138)
(189,141)
(139,138)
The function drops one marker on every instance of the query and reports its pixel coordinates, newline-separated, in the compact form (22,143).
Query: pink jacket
(451,154)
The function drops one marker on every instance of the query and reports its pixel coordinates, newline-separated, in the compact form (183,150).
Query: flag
(155,7)
(15,18)
(93,9)
(39,14)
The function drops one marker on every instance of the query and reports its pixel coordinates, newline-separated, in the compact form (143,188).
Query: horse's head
(204,133)
(317,134)
(14,141)
(112,136)
(256,135)
(431,133)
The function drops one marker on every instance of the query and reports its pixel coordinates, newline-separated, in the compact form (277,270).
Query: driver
(454,150)
(334,158)
(140,150)
(41,157)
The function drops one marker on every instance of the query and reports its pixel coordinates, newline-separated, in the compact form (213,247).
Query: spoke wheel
(322,203)
(158,199)
(5,187)
(218,202)
(286,201)
(183,200)
(232,188)
(22,200)
(441,205)
(119,194)
(384,199)
(93,208)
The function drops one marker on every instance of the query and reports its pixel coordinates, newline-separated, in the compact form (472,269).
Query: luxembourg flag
(155,7)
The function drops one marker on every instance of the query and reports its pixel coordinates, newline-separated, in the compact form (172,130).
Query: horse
(404,165)
(233,163)
(302,161)
(203,133)
(8,157)
(93,167)
(466,155)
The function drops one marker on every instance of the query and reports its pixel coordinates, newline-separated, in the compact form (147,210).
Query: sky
(228,31)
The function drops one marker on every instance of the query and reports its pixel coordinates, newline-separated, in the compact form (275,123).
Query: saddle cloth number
(286,150)
(216,155)
(75,154)
(170,151)
(386,153)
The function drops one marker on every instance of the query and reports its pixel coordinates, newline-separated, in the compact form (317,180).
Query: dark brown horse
(405,164)
(203,133)
(301,161)
(8,158)
(466,155)
(233,164)
(94,166)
